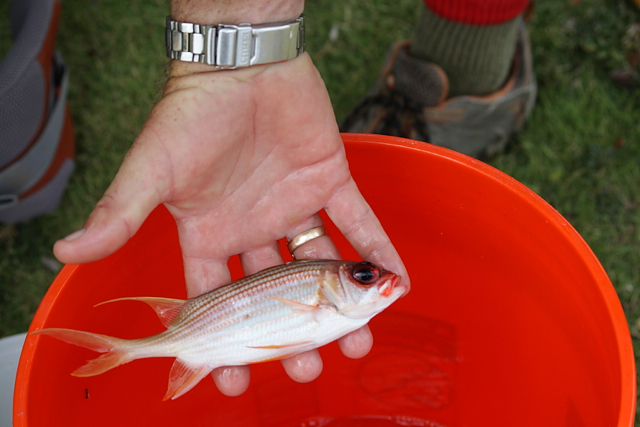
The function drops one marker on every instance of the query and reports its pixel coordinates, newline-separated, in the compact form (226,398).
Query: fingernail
(74,235)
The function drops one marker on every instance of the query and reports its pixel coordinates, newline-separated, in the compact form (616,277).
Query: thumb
(139,186)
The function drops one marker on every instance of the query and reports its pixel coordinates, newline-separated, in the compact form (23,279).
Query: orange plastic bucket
(511,320)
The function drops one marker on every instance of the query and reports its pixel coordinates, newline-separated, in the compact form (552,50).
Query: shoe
(410,101)
(37,145)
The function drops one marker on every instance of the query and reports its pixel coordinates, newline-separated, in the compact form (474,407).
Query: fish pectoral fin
(272,359)
(166,308)
(293,349)
(280,346)
(297,306)
(183,378)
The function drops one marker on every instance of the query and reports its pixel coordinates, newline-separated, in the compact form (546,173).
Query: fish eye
(365,273)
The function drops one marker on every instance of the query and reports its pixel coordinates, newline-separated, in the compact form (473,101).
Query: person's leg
(465,80)
(475,50)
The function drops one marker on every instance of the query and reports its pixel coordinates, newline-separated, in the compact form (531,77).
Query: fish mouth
(393,288)
(404,289)
(399,289)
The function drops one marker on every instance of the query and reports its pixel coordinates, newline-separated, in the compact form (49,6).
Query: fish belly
(268,340)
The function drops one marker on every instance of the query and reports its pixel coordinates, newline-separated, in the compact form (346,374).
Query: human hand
(241,159)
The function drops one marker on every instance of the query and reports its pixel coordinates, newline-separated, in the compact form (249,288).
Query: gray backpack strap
(27,147)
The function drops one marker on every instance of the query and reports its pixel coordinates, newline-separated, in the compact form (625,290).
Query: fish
(273,314)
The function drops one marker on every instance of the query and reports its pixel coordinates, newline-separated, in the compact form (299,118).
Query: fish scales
(234,303)
(239,307)
(278,282)
(223,309)
(249,286)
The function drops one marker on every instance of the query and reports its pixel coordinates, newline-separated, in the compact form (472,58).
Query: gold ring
(304,237)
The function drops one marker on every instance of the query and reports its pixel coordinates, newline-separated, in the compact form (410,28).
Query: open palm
(241,159)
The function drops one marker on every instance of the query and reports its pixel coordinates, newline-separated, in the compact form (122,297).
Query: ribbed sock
(476,58)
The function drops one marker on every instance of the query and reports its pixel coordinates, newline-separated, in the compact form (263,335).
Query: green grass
(116,73)
(579,149)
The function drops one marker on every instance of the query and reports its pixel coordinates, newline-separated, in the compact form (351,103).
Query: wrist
(208,12)
(224,45)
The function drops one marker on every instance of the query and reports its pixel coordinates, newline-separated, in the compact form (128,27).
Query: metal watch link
(231,46)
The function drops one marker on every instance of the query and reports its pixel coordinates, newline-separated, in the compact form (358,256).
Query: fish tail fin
(115,349)
(103,363)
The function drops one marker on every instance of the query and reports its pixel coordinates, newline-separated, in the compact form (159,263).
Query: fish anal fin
(297,306)
(183,378)
(166,308)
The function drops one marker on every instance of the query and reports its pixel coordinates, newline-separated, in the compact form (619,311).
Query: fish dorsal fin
(183,378)
(296,306)
(166,308)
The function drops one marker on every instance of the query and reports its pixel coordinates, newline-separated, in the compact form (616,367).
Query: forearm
(235,11)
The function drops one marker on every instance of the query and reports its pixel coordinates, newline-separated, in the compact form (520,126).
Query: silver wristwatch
(231,46)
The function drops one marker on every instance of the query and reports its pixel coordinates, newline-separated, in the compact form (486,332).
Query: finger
(307,366)
(261,258)
(137,189)
(353,345)
(204,275)
(232,380)
(353,216)
(319,248)
(356,344)
(304,367)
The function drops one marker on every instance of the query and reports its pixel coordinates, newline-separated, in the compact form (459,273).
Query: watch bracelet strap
(231,46)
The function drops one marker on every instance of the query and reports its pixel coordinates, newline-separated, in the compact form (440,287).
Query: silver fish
(273,314)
